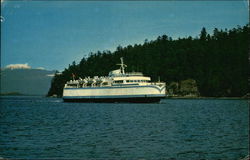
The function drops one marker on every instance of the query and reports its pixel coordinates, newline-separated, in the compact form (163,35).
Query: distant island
(18,94)
(213,65)
(21,81)
(11,94)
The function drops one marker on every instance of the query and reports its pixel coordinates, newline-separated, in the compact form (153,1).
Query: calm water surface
(36,127)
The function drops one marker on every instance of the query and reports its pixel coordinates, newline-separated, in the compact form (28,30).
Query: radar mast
(122,66)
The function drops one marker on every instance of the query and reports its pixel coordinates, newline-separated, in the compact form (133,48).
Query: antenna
(122,66)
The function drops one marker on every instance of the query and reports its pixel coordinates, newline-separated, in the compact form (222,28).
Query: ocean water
(37,127)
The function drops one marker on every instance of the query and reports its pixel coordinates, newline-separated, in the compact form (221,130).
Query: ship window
(72,85)
(105,83)
(120,81)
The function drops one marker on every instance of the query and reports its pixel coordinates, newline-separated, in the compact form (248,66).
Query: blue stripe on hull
(115,87)
(115,96)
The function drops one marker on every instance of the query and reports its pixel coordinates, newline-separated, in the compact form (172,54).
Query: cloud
(18,66)
(41,68)
(50,75)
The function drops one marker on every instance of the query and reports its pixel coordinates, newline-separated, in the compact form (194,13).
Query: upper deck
(116,78)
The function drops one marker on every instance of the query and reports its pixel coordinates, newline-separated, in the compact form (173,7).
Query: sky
(53,34)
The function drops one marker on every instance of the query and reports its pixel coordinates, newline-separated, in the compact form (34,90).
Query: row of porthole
(120,81)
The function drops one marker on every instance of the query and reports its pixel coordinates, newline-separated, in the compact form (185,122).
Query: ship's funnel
(115,72)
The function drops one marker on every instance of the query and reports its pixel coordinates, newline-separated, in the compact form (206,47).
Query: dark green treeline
(218,62)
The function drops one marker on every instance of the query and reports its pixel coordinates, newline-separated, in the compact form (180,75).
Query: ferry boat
(118,86)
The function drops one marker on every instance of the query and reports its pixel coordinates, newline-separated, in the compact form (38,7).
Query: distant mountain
(26,81)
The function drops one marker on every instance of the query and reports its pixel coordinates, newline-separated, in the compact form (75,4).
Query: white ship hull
(117,87)
(122,93)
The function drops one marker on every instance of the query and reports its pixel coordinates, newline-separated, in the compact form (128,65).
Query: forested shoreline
(218,63)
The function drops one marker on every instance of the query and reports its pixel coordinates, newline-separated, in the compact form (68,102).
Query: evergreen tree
(218,62)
